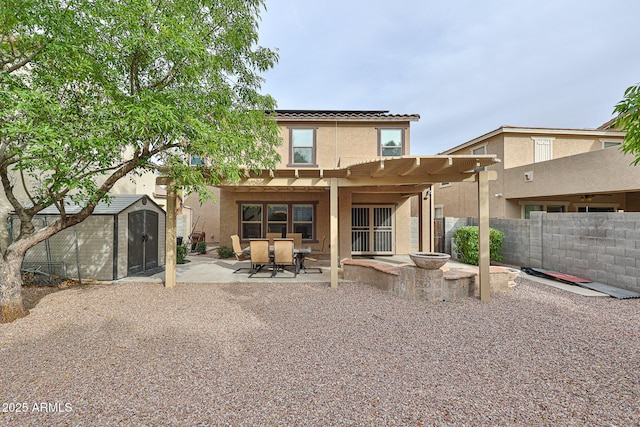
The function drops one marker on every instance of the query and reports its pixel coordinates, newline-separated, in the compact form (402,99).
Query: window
(303,146)
(607,144)
(391,142)
(531,208)
(282,218)
(545,206)
(543,148)
(277,219)
(479,151)
(303,220)
(196,160)
(251,220)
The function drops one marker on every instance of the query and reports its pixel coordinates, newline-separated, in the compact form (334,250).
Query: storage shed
(123,238)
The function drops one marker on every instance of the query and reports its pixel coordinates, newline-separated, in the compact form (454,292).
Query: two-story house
(552,170)
(352,168)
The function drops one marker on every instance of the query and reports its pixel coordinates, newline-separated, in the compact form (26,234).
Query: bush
(466,240)
(181,254)
(201,247)
(224,252)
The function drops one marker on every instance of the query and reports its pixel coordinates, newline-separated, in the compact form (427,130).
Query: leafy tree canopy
(628,119)
(88,86)
(94,90)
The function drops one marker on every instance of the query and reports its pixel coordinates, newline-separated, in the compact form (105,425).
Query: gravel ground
(305,354)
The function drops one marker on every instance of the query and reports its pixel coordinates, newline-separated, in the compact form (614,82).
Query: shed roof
(116,205)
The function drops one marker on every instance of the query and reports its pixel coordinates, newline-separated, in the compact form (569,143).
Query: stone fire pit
(429,260)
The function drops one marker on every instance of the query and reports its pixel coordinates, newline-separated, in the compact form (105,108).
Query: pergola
(407,173)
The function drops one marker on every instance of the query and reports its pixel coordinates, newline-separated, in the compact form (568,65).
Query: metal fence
(52,260)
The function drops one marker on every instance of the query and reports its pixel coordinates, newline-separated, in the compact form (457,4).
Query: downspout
(336,143)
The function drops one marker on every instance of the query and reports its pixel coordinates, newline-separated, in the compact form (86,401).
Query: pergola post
(170,236)
(483,235)
(333,208)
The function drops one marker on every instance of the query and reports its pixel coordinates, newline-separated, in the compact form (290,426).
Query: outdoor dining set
(276,254)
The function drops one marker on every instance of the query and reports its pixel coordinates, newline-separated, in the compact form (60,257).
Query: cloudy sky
(466,66)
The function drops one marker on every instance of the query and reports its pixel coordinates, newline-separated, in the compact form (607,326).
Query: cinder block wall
(603,247)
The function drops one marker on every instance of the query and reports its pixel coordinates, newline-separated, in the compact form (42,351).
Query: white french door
(372,230)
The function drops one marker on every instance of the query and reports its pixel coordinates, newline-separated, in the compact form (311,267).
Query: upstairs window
(479,151)
(303,147)
(391,142)
(543,148)
(608,144)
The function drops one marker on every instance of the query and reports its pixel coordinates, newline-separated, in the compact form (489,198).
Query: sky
(466,67)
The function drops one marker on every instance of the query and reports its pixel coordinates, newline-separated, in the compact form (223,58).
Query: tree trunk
(11,306)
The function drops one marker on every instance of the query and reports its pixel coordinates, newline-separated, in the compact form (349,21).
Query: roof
(609,125)
(536,131)
(117,204)
(345,115)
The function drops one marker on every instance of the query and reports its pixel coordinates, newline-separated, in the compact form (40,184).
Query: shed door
(143,241)
(372,230)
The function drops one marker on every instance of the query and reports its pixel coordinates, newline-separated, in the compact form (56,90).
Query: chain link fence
(53,260)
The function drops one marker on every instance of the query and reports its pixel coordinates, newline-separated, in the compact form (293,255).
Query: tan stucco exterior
(348,165)
(582,174)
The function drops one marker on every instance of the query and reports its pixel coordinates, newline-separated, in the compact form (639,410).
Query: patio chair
(272,236)
(297,239)
(241,254)
(314,256)
(259,255)
(283,256)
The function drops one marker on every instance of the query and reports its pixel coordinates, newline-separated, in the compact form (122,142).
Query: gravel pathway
(307,355)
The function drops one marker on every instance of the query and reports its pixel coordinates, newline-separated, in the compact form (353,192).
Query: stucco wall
(206,216)
(347,196)
(340,144)
(562,181)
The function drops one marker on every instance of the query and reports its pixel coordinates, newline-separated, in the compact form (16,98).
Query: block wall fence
(603,247)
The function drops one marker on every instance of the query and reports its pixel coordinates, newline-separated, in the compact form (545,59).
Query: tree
(93,91)
(628,119)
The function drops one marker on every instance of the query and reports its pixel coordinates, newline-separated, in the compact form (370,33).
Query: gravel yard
(304,354)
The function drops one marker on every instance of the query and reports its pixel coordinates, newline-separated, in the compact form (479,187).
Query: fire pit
(429,260)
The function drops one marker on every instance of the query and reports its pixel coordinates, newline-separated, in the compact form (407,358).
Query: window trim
(402,129)
(314,161)
(289,226)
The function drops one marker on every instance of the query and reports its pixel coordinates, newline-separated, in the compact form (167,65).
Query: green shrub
(224,252)
(201,247)
(466,240)
(181,253)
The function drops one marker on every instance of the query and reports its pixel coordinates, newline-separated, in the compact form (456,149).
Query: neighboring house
(360,158)
(552,170)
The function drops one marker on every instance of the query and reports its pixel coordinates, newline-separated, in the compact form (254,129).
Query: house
(542,169)
(344,175)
